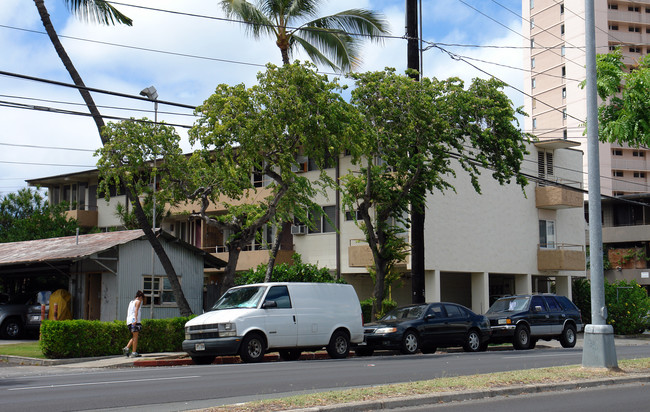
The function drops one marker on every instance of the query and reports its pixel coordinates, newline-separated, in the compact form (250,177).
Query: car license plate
(199,346)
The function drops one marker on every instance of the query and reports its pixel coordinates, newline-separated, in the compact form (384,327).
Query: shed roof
(79,247)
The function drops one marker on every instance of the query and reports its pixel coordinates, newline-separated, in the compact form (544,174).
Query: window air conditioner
(298,229)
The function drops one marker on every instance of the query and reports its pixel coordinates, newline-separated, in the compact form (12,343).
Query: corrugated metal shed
(79,247)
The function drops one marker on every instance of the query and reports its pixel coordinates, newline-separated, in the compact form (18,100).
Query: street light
(152,94)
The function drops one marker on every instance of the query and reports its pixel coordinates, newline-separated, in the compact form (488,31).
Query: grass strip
(28,349)
(441,385)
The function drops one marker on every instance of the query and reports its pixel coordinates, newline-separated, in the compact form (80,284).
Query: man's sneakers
(126,351)
(135,355)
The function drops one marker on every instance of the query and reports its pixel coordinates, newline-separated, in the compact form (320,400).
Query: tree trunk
(380,289)
(273,255)
(183,306)
(67,62)
(231,268)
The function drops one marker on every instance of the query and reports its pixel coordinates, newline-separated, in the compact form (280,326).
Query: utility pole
(417,210)
(599,350)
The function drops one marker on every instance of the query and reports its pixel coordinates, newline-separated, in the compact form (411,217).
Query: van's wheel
(472,342)
(568,337)
(290,354)
(364,351)
(12,328)
(202,360)
(410,342)
(521,339)
(339,346)
(252,348)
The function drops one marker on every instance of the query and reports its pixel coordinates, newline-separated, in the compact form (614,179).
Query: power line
(44,164)
(46,147)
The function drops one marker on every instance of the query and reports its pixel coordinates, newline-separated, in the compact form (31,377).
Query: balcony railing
(564,257)
(548,196)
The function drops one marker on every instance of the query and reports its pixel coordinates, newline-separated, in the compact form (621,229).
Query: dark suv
(524,319)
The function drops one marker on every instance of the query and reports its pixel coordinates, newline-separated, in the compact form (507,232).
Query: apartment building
(554,64)
(478,246)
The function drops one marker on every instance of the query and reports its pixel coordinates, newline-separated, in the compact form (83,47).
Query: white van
(286,317)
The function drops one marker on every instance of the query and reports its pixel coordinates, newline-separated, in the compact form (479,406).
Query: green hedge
(88,338)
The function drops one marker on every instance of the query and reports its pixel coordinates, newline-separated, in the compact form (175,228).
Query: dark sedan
(426,327)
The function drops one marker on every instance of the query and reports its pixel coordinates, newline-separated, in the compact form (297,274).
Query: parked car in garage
(426,327)
(19,313)
(524,319)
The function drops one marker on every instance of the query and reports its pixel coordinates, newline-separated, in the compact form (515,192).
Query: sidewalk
(181,358)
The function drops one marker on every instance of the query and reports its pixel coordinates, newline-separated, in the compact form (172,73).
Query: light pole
(152,94)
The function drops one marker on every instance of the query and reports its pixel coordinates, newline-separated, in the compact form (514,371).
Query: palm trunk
(67,62)
(183,306)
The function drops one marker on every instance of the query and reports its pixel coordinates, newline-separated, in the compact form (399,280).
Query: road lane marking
(538,356)
(101,383)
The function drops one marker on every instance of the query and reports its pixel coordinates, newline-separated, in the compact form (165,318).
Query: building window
(547,234)
(613,27)
(634,29)
(632,8)
(534,124)
(564,92)
(617,173)
(639,175)
(635,50)
(564,114)
(562,29)
(562,8)
(563,71)
(534,103)
(532,43)
(612,6)
(637,153)
(617,152)
(647,30)
(532,4)
(565,134)
(612,48)
(533,83)
(532,22)
(158,287)
(323,223)
(532,63)
(350,216)
(545,164)
(563,51)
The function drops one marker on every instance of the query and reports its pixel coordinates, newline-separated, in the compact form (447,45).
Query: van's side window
(280,294)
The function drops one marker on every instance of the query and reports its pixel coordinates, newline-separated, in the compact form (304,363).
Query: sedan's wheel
(203,360)
(410,343)
(12,328)
(252,348)
(472,342)
(339,346)
(364,351)
(290,354)
(568,337)
(522,338)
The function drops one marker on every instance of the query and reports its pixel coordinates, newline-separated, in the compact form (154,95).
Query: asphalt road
(628,398)
(187,387)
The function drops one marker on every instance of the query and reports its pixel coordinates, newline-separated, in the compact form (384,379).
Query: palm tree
(100,11)
(330,40)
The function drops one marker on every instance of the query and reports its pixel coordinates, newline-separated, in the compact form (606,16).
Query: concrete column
(563,286)
(432,285)
(480,292)
(524,284)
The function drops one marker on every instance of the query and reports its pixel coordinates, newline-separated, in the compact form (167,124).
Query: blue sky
(186,57)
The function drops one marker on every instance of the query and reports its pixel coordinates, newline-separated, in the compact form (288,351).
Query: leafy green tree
(332,40)
(26,215)
(297,271)
(414,133)
(624,115)
(130,220)
(293,112)
(628,307)
(125,161)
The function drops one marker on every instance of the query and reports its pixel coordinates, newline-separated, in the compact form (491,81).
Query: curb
(220,360)
(431,399)
(21,360)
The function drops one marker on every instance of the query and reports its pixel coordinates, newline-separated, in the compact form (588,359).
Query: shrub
(627,307)
(87,338)
(297,272)
(366,308)
(581,291)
